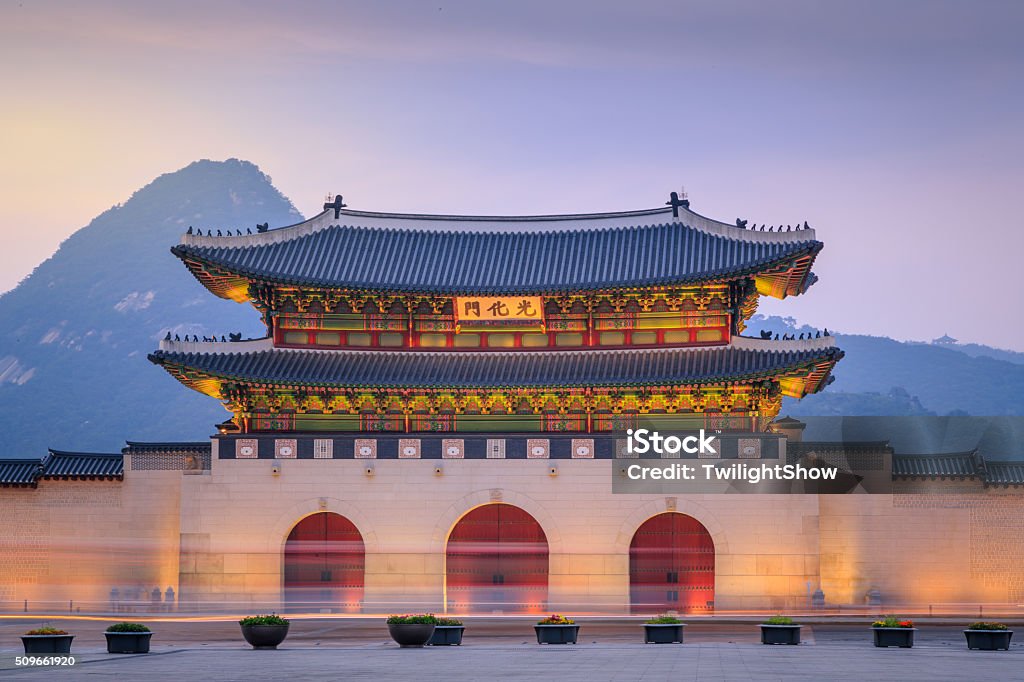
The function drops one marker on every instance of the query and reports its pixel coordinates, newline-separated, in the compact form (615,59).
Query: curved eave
(786,275)
(798,373)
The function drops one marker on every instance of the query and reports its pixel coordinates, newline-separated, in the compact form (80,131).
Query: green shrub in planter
(988,636)
(412,630)
(264,631)
(128,638)
(780,630)
(447,632)
(663,630)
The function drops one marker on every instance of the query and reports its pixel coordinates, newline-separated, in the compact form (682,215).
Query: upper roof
(258,362)
(451,255)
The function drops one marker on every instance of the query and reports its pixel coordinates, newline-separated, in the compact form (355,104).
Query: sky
(894,128)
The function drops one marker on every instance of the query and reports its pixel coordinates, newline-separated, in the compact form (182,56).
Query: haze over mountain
(880,376)
(73,368)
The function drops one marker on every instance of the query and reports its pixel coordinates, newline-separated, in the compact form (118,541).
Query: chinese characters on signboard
(469,309)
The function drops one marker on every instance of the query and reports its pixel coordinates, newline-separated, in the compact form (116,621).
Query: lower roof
(742,361)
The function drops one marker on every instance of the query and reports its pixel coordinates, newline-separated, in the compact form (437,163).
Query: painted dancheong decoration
(569,323)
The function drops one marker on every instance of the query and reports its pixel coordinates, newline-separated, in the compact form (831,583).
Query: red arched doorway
(672,566)
(324,561)
(497,560)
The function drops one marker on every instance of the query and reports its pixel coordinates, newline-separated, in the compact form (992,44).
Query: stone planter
(901,637)
(264,636)
(409,635)
(447,635)
(780,634)
(128,642)
(47,644)
(556,634)
(663,633)
(988,640)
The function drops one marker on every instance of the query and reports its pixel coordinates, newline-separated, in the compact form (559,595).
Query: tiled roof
(638,251)
(60,464)
(1004,473)
(960,464)
(173,446)
(19,472)
(497,369)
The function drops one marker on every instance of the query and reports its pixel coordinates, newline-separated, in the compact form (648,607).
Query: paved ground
(351,649)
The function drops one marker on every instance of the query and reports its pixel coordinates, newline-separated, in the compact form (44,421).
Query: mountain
(73,345)
(881,376)
(75,333)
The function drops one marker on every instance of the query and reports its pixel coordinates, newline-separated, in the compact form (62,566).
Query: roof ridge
(266,344)
(327,219)
(72,453)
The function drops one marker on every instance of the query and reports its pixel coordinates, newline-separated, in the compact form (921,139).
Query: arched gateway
(324,562)
(672,565)
(497,560)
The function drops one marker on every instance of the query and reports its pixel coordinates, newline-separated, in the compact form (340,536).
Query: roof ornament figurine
(262,227)
(248,230)
(219,234)
(806,226)
(168,337)
(742,224)
(337,205)
(235,337)
(189,230)
(765,334)
(674,201)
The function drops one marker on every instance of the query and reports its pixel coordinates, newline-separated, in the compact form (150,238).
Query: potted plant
(47,640)
(556,629)
(264,632)
(893,631)
(663,630)
(412,630)
(988,636)
(447,632)
(780,630)
(128,638)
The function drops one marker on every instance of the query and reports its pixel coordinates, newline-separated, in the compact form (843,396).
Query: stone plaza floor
(360,649)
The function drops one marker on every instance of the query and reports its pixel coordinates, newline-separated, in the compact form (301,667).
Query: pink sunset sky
(894,129)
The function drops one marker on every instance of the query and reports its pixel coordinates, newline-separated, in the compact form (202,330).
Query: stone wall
(216,536)
(66,544)
(240,516)
(944,543)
